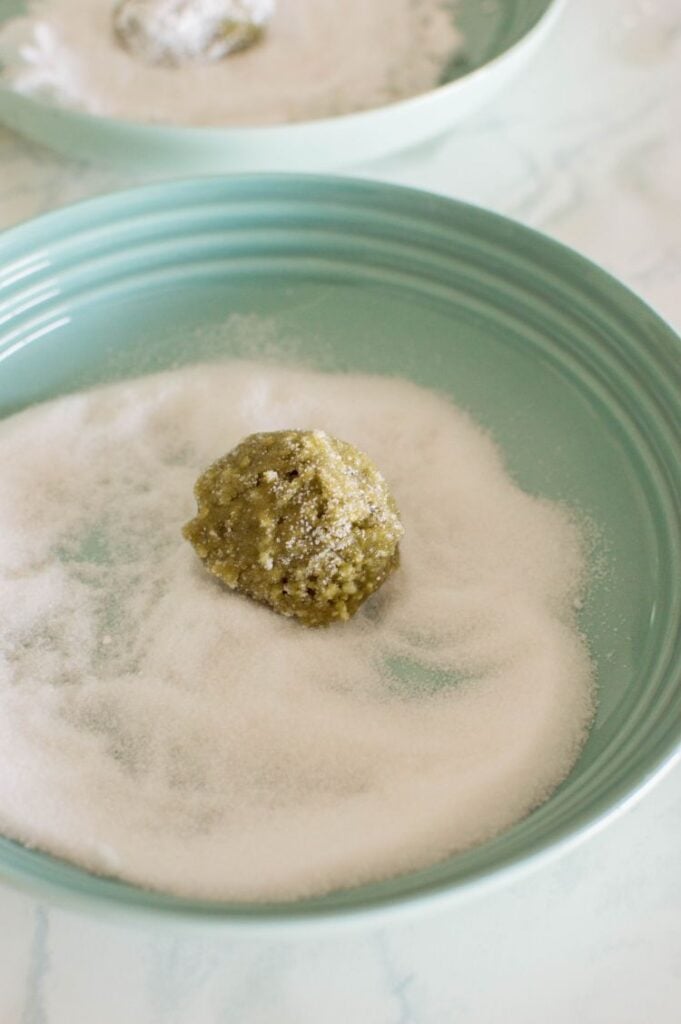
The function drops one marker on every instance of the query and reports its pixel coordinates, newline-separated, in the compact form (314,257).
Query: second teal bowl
(499,38)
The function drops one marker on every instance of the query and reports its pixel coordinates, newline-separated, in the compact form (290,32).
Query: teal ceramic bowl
(499,35)
(576,378)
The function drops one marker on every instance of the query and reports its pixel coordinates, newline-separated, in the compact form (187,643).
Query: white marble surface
(585,146)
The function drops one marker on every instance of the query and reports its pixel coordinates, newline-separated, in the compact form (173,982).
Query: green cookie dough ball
(173,32)
(298,520)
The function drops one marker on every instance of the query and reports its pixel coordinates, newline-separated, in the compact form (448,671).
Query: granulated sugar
(318,58)
(160,728)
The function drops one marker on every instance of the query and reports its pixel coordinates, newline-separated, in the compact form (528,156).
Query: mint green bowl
(576,378)
(500,35)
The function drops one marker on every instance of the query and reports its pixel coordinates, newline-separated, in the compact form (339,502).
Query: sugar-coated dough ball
(298,520)
(175,31)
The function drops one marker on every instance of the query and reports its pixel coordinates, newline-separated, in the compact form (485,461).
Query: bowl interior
(489,28)
(577,380)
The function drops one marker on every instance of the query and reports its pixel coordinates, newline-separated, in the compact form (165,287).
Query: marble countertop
(586,146)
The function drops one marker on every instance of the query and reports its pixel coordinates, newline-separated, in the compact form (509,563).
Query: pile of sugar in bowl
(161,729)
(316,59)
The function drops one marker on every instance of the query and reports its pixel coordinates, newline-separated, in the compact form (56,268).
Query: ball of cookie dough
(173,32)
(299,521)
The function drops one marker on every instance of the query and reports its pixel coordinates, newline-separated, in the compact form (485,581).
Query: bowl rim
(123,898)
